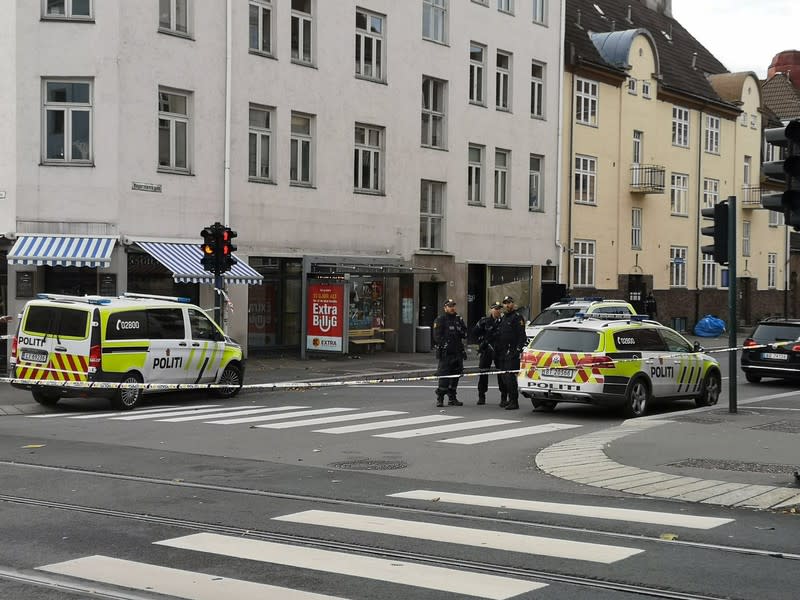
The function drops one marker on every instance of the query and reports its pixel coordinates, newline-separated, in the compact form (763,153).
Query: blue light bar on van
(98,300)
(639,318)
(182,299)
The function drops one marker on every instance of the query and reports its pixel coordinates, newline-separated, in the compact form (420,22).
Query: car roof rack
(601,316)
(69,298)
(181,299)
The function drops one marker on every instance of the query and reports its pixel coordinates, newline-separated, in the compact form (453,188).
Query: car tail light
(599,362)
(94,357)
(14,342)
(527,356)
(796,348)
(749,342)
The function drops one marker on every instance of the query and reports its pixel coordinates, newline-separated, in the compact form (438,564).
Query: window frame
(503,82)
(68,12)
(537,90)
(636,228)
(436,90)
(585,180)
(299,140)
(376,157)
(298,21)
(505,6)
(680,126)
(584,262)
(378,41)
(173,27)
(746,237)
(429,218)
(708,268)
(679,195)
(710,192)
(587,101)
(632,83)
(772,270)
(262,6)
(646,89)
(68,109)
(431,9)
(261,133)
(475,195)
(539,10)
(535,180)
(477,75)
(502,174)
(173,118)
(677,268)
(711,138)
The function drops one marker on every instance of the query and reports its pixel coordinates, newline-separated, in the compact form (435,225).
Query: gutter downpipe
(571,175)
(699,257)
(226,208)
(560,140)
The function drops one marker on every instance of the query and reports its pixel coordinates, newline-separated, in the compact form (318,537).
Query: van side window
(54,320)
(675,343)
(166,324)
(127,325)
(39,319)
(202,327)
(642,340)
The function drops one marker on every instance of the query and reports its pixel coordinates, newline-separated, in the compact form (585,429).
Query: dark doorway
(637,292)
(551,292)
(476,294)
(428,303)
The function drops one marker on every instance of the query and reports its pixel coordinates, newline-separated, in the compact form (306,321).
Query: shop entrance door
(428,303)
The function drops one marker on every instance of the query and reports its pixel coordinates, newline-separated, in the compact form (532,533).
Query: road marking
(575,510)
(465,536)
(508,433)
(149,411)
(299,413)
(773,408)
(234,413)
(175,413)
(173,582)
(394,571)
(335,419)
(445,428)
(387,424)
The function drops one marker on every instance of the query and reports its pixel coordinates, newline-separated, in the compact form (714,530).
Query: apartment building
(657,129)
(407,149)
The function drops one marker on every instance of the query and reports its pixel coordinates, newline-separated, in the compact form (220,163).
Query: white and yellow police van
(134,338)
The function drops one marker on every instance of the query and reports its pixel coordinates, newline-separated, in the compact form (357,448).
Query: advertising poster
(325,327)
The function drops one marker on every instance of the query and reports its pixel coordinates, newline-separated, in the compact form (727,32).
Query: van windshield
(57,321)
(549,315)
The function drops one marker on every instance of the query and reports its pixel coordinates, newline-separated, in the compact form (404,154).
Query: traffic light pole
(732,295)
(219,300)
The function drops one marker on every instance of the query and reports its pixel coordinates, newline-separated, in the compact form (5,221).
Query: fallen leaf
(669,536)
(34,446)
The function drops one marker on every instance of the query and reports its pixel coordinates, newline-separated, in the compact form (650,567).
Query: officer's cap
(449,302)
(496,305)
(508,300)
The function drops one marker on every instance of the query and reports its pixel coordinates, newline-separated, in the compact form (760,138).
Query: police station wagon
(622,363)
(135,338)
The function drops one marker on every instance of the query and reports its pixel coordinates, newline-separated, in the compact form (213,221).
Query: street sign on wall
(325,318)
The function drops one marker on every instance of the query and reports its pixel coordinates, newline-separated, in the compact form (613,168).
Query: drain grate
(784,426)
(706,419)
(734,465)
(368,464)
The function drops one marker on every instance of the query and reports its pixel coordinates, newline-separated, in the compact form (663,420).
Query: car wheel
(752,378)
(544,405)
(232,376)
(709,391)
(636,398)
(46,397)
(127,398)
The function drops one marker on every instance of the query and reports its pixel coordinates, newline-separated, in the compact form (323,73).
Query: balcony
(647,179)
(751,196)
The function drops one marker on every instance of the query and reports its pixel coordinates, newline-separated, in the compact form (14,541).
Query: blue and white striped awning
(62,250)
(183,259)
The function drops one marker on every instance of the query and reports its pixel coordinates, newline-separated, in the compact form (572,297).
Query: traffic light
(228,248)
(719,232)
(210,248)
(787,170)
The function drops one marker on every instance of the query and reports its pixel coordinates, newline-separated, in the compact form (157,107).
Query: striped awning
(62,250)
(183,259)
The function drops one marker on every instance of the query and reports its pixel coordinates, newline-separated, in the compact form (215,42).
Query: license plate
(33,356)
(560,373)
(774,356)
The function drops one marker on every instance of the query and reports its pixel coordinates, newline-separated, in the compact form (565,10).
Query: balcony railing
(647,179)
(751,196)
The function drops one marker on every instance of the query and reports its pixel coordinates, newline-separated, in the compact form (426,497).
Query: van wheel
(709,391)
(636,398)
(46,397)
(127,398)
(232,376)
(752,378)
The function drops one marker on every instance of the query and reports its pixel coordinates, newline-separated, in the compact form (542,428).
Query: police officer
(449,332)
(508,347)
(485,331)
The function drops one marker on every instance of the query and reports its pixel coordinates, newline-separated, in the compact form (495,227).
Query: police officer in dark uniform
(449,332)
(508,347)
(485,331)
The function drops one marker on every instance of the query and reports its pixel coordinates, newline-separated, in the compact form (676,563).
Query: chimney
(578,20)
(694,60)
(629,14)
(613,25)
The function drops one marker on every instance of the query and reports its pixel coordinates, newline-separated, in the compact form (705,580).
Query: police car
(568,307)
(615,362)
(135,338)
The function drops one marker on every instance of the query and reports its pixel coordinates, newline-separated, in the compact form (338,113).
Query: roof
(781,97)
(596,323)
(729,85)
(675,47)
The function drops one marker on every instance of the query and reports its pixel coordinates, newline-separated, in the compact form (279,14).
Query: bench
(365,337)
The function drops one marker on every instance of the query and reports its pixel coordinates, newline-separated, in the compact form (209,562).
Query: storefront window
(148,276)
(366,303)
(274,307)
(514,282)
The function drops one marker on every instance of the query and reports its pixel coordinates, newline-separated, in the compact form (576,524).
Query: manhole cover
(703,419)
(734,465)
(367,464)
(785,426)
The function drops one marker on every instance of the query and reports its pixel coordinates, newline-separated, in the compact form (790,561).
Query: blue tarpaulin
(709,326)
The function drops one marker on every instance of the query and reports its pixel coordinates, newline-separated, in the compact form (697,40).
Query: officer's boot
(512,404)
(453,401)
(439,399)
(503,401)
(481,397)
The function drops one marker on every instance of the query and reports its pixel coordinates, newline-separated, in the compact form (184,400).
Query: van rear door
(53,343)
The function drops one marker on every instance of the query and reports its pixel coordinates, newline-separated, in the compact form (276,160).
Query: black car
(772,350)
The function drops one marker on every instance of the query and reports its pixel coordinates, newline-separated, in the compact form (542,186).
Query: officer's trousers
(509,362)
(449,364)
(485,360)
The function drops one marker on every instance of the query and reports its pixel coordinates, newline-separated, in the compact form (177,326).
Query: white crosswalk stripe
(464,425)
(240,412)
(301,413)
(505,434)
(335,419)
(387,424)
(175,413)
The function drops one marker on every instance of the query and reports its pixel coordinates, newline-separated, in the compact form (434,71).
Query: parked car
(772,350)
(615,362)
(566,308)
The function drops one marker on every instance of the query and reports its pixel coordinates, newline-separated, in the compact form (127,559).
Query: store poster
(324,329)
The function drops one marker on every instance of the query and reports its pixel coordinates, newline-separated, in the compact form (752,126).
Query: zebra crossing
(324,562)
(385,424)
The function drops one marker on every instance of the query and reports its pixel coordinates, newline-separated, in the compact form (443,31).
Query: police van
(134,338)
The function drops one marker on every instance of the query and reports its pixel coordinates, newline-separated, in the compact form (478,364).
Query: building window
(475,174)
(260,144)
(585,180)
(537,89)
(636,228)
(173,16)
(680,127)
(431,215)
(506,6)
(367,164)
(538,11)
(535,193)
(753,121)
(677,266)
(772,269)
(477,73)
(261,26)
(502,161)
(67,9)
(583,260)
(679,195)
(301,157)
(67,114)
(173,130)
(710,192)
(503,81)
(745,238)
(302,47)
(434,20)
(775,219)
(746,169)
(631,86)
(586,101)
(369,45)
(638,152)
(433,112)
(646,89)
(712,134)
(709,269)
(743,119)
